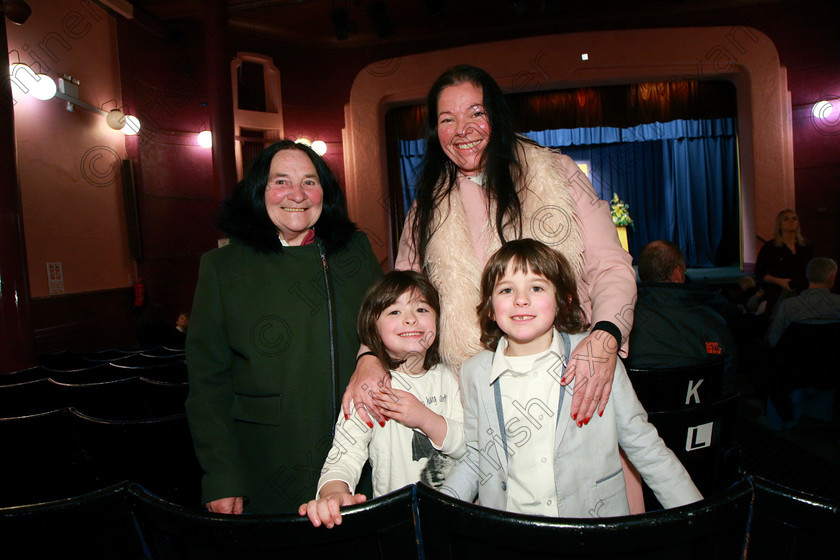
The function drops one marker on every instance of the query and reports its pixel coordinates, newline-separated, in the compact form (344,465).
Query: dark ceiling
(338,24)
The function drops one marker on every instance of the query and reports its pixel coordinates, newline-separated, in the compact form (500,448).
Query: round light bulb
(115,119)
(319,147)
(205,139)
(823,109)
(132,125)
(43,87)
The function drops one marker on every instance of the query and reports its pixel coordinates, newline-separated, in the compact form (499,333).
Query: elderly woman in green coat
(272,340)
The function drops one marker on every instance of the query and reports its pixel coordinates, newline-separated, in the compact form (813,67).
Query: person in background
(815,305)
(780,265)
(272,340)
(676,325)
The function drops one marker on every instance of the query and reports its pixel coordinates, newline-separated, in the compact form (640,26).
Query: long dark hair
(385,292)
(530,255)
(502,169)
(244,217)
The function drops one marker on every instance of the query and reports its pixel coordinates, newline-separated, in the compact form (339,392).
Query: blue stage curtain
(679,177)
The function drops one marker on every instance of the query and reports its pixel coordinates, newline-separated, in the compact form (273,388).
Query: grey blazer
(587,468)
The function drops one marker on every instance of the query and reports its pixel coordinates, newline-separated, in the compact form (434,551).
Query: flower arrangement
(620,212)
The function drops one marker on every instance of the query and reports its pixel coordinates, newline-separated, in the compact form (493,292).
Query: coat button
(504,485)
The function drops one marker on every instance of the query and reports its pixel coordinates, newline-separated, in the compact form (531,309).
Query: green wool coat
(271,346)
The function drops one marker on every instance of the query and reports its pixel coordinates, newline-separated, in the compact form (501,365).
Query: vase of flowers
(620,212)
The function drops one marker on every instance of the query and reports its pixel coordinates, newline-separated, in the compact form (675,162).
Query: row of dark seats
(66,453)
(753,519)
(128,358)
(126,398)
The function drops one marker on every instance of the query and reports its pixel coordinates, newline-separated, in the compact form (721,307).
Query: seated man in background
(814,305)
(675,325)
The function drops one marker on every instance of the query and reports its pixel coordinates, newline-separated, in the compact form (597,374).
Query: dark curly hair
(530,255)
(244,217)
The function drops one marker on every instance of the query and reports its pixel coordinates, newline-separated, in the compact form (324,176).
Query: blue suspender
(497,393)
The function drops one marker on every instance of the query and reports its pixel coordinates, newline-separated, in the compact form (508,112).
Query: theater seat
(379,529)
(703,439)
(712,528)
(668,388)
(788,524)
(42,460)
(803,370)
(30,398)
(96,525)
(157,453)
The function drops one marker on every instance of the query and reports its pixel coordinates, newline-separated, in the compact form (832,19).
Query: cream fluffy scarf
(549,214)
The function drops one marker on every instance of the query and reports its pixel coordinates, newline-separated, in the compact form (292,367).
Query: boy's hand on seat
(325,511)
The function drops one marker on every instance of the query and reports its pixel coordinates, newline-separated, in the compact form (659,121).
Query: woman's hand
(367,380)
(232,505)
(592,365)
(326,510)
(784,283)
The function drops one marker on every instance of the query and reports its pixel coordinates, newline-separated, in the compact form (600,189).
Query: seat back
(30,398)
(668,388)
(382,528)
(703,439)
(790,524)
(157,453)
(712,528)
(98,525)
(42,460)
(808,350)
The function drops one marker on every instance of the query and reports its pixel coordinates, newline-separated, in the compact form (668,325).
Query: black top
(780,262)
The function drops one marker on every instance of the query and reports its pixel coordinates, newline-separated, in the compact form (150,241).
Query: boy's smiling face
(525,307)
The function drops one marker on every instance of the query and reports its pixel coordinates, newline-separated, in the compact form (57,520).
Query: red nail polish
(370,424)
(382,423)
(347,417)
(588,418)
(574,416)
(601,413)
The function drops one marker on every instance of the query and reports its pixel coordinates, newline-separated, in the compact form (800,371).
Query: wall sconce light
(318,146)
(127,124)
(825,108)
(40,86)
(205,139)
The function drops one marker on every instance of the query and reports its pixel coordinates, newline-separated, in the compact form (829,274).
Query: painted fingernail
(370,424)
(347,417)
(588,418)
(601,413)
(382,423)
(580,424)
(574,416)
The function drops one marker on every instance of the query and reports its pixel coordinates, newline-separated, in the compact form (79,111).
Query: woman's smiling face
(293,196)
(463,128)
